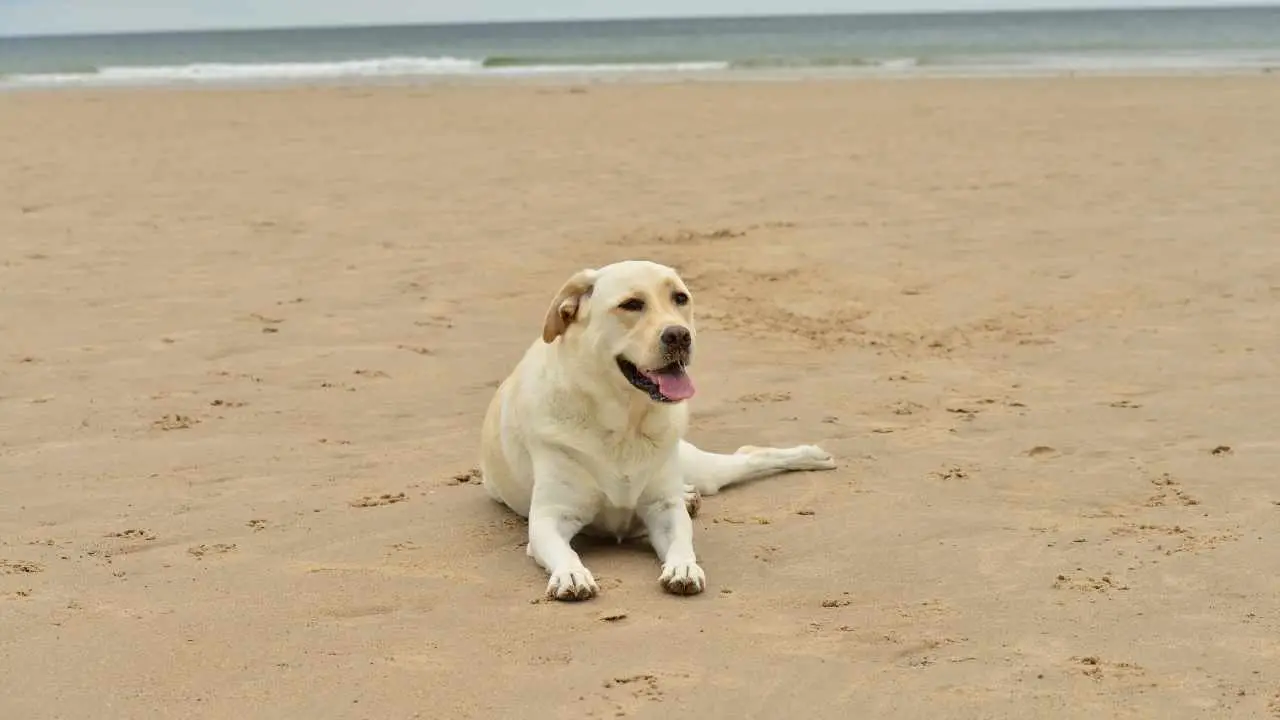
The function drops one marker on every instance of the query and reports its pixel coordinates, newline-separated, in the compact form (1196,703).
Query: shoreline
(726,76)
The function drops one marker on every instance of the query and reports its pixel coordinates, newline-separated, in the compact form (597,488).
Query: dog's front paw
(684,578)
(572,583)
(810,457)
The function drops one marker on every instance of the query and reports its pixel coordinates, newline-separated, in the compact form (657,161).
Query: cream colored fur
(569,443)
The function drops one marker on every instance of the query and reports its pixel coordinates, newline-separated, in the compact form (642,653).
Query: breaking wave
(515,66)
(389,67)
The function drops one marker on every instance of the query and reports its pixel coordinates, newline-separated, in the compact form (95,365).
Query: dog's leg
(549,536)
(556,515)
(708,473)
(671,533)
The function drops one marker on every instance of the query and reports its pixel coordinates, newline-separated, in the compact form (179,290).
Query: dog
(587,432)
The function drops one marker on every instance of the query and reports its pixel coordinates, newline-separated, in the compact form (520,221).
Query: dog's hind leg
(708,473)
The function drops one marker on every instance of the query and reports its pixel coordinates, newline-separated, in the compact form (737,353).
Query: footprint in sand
(1169,492)
(1095,668)
(227,403)
(470,477)
(1080,582)
(907,407)
(952,472)
(625,694)
(965,413)
(369,501)
(1173,539)
(175,422)
(19,567)
(133,534)
(200,551)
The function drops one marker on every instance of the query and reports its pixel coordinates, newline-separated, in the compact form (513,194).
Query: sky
(35,17)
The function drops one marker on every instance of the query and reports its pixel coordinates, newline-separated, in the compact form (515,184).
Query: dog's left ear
(564,309)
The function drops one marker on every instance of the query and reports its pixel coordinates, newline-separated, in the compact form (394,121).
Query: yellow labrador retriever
(586,434)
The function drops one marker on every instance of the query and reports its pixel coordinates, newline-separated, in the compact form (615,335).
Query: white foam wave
(902,63)
(392,67)
(371,68)
(608,68)
(214,72)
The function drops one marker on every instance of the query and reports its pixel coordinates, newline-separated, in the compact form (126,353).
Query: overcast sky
(23,17)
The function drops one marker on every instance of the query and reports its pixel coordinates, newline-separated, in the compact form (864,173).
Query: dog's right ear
(564,309)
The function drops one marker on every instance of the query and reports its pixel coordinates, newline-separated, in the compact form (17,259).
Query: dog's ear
(564,308)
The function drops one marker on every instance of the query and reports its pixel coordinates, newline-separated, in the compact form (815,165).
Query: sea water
(1220,39)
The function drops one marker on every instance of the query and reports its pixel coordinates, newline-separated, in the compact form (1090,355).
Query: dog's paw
(572,583)
(809,457)
(683,578)
(692,500)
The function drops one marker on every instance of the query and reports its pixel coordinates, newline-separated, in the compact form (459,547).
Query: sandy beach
(249,336)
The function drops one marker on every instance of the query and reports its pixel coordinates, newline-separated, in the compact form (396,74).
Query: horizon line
(1244,5)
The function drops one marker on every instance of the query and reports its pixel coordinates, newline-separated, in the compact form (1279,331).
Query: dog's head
(631,322)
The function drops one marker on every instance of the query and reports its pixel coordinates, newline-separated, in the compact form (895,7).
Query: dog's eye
(680,298)
(632,305)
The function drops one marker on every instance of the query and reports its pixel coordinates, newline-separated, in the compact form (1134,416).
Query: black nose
(677,337)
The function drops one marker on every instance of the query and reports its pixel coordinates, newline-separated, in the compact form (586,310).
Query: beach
(250,334)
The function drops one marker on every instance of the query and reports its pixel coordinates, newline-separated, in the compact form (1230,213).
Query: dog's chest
(616,522)
(624,485)
(633,475)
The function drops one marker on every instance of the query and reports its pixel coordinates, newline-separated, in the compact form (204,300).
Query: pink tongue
(673,386)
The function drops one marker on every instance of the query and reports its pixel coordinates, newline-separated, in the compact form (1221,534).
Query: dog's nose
(677,337)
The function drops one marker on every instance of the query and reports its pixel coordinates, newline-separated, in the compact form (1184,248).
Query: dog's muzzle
(670,382)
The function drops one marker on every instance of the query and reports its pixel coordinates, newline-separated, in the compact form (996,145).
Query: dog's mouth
(667,384)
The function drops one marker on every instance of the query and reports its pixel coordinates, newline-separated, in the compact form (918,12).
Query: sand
(249,335)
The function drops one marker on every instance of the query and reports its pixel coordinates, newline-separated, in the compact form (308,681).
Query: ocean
(1231,39)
